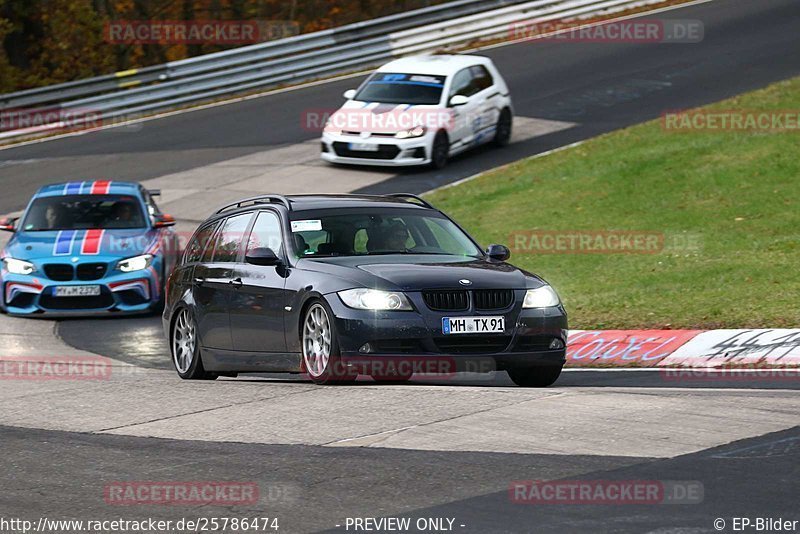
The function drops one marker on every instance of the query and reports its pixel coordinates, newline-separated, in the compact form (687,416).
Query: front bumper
(391,152)
(120,293)
(533,337)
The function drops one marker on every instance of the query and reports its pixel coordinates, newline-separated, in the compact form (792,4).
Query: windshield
(396,88)
(370,234)
(78,212)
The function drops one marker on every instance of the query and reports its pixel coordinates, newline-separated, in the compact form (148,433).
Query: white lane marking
(327,80)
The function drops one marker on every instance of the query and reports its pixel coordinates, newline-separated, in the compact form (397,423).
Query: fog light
(366,348)
(556,344)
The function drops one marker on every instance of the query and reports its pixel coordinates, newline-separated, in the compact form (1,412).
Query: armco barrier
(295,59)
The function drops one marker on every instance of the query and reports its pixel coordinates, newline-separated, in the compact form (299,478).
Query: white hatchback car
(420,110)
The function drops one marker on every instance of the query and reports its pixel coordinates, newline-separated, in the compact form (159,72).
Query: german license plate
(364,147)
(77,291)
(473,325)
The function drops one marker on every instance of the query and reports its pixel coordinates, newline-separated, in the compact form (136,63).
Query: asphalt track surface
(748,44)
(739,439)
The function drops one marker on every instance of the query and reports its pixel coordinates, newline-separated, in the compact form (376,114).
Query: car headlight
(542,297)
(419,131)
(374,299)
(15,266)
(137,263)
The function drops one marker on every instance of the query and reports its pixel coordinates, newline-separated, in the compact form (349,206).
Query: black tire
(185,345)
(440,150)
(535,377)
(505,124)
(317,337)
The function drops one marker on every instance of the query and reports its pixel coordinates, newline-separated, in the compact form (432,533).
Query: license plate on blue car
(77,291)
(473,325)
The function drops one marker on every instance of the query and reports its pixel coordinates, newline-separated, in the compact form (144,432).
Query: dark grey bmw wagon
(337,286)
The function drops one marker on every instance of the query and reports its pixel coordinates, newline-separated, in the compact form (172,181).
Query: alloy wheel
(317,340)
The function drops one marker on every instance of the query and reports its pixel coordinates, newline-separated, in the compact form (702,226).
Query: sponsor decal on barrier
(718,348)
(624,347)
(606,492)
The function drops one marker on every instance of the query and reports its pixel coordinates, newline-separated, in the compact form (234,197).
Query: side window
(228,242)
(462,84)
(481,77)
(152,208)
(195,248)
(266,233)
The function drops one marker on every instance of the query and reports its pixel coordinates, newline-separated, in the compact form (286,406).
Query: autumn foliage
(53,41)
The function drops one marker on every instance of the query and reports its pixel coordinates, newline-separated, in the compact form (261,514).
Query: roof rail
(261,199)
(409,196)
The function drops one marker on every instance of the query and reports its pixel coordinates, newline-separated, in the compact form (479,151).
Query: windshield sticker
(311,225)
(409,79)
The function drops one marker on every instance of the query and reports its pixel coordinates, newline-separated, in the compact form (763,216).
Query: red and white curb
(684,348)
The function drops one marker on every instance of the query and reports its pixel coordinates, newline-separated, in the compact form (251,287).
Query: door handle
(236,282)
(199,281)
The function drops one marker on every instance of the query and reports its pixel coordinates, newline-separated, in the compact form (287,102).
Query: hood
(415,272)
(67,244)
(388,118)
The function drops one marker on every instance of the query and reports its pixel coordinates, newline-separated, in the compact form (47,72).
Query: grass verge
(725,202)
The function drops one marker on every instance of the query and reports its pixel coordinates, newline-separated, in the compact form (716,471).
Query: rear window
(398,88)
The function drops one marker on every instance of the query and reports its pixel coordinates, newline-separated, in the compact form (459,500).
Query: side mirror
(262,256)
(8,225)
(458,100)
(498,252)
(164,220)
(154,192)
(350,94)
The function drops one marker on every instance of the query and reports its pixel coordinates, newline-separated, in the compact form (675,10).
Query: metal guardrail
(292,60)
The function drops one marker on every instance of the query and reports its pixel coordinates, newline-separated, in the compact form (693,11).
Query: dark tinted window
(462,84)
(195,248)
(371,233)
(229,242)
(481,78)
(397,88)
(266,233)
(81,212)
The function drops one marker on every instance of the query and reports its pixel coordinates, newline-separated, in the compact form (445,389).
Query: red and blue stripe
(90,241)
(96,187)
